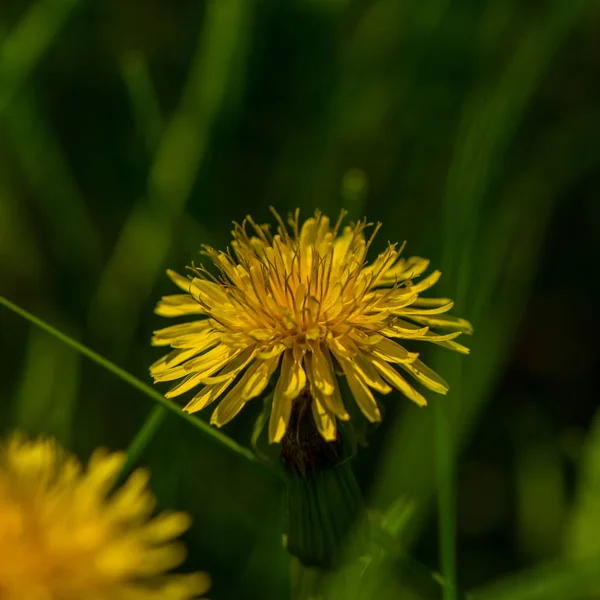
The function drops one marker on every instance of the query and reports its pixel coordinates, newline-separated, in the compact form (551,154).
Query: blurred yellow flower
(65,536)
(306,301)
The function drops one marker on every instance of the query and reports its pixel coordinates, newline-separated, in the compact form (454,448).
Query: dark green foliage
(133,133)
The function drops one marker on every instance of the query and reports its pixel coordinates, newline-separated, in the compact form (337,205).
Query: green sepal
(322,498)
(320,511)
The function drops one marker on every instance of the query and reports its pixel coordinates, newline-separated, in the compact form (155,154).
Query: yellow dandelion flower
(65,536)
(304,301)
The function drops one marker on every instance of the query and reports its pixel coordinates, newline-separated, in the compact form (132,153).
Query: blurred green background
(132,133)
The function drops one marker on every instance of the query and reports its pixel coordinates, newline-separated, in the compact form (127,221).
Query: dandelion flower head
(65,536)
(305,304)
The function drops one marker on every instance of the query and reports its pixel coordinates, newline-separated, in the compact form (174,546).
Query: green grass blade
(46,168)
(143,437)
(583,539)
(132,381)
(142,95)
(497,315)
(149,229)
(23,47)
(556,581)
(46,397)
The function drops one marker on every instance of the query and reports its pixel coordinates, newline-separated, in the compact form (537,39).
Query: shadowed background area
(131,135)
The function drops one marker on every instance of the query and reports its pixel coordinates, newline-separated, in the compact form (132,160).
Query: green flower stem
(444,471)
(143,437)
(134,382)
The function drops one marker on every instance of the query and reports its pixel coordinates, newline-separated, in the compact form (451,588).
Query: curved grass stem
(134,382)
(142,438)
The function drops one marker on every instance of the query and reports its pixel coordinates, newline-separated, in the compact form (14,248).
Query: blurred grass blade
(46,398)
(56,193)
(491,116)
(142,438)
(354,191)
(561,155)
(17,235)
(490,120)
(133,381)
(142,246)
(539,476)
(143,98)
(23,47)
(556,581)
(583,534)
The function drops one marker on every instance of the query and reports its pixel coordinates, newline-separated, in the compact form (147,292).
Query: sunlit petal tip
(330,435)
(214,419)
(180,281)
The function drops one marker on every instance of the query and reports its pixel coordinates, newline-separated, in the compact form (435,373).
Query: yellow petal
(280,413)
(402,332)
(164,527)
(393,352)
(434,337)
(324,420)
(274,351)
(206,396)
(172,359)
(423,333)
(444,322)
(425,283)
(334,401)
(307,234)
(252,384)
(293,376)
(180,281)
(259,379)
(177,305)
(406,269)
(451,345)
(206,364)
(340,350)
(186,384)
(362,394)
(363,364)
(395,379)
(208,292)
(322,374)
(201,341)
(409,310)
(210,362)
(235,365)
(428,377)
(164,337)
(335,404)
(430,302)
(341,245)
